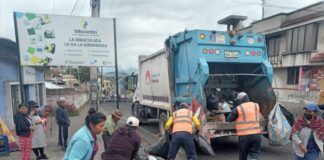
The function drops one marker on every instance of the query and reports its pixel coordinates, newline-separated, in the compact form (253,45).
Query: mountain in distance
(110,71)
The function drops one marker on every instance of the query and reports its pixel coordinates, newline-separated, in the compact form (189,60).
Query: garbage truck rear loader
(209,67)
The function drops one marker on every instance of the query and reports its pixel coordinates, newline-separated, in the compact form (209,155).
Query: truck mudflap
(223,129)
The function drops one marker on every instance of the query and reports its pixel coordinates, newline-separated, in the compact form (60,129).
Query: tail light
(211,51)
(253,53)
(204,51)
(260,40)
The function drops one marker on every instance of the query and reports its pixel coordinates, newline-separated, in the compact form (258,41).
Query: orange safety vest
(182,120)
(247,122)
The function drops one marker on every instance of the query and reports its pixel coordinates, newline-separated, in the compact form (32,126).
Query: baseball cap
(312,107)
(184,105)
(132,121)
(241,95)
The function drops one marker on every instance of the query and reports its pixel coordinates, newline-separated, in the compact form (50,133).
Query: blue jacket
(80,146)
(62,116)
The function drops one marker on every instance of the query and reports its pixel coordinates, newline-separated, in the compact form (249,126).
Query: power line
(255,4)
(75,3)
(82,6)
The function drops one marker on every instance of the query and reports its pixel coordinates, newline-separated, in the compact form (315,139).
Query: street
(225,148)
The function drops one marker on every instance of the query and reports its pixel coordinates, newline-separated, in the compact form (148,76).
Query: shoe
(43,157)
(38,158)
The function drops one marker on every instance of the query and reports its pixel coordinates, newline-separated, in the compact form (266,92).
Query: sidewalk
(52,150)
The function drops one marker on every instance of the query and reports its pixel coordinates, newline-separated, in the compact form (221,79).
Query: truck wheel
(162,122)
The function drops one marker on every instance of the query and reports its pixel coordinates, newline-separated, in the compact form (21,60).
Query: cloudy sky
(143,25)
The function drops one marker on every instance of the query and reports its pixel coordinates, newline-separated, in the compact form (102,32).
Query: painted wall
(9,72)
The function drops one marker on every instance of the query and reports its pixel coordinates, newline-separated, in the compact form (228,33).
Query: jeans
(184,139)
(105,138)
(63,135)
(249,145)
(309,156)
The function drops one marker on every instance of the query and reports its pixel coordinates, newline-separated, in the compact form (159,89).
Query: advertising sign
(58,40)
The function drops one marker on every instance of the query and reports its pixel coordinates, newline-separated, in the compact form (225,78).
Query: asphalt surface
(224,148)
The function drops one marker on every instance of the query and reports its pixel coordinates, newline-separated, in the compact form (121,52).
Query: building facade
(10,95)
(295,44)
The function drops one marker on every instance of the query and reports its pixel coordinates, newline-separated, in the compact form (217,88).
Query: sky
(143,25)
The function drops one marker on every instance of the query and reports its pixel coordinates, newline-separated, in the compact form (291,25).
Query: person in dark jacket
(124,143)
(63,122)
(24,128)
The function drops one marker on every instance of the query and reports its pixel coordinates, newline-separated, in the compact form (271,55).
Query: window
(273,45)
(302,39)
(292,75)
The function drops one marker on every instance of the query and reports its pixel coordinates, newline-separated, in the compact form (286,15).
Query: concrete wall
(79,98)
(268,24)
(320,38)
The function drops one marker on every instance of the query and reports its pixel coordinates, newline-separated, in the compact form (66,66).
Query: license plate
(231,54)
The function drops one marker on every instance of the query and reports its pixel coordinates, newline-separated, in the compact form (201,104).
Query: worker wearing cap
(125,142)
(182,132)
(247,115)
(308,134)
(111,126)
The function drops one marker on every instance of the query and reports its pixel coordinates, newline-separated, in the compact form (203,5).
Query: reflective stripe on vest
(247,122)
(182,121)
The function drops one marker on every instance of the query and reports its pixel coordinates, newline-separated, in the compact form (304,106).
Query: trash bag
(289,116)
(161,147)
(203,146)
(278,127)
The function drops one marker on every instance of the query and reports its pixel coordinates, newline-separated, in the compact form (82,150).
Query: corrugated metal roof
(49,85)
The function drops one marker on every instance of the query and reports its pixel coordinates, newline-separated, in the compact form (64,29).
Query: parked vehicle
(208,66)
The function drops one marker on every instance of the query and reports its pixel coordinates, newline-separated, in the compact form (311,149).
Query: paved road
(225,148)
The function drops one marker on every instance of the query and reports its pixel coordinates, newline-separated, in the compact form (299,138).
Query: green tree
(84,73)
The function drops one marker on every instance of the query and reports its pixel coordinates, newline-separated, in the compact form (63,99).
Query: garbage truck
(207,66)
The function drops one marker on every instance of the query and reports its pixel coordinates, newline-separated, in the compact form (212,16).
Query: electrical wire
(75,3)
(82,6)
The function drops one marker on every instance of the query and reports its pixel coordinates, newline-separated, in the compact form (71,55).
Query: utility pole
(94,89)
(263,3)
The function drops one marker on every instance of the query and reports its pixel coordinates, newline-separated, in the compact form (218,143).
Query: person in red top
(24,128)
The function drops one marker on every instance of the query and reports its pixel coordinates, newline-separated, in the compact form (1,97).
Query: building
(295,44)
(10,96)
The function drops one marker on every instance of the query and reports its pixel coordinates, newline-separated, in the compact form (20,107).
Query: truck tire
(134,108)
(162,121)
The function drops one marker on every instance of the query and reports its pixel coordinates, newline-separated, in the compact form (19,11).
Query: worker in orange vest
(247,115)
(182,132)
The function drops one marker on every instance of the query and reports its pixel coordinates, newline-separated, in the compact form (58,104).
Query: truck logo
(147,77)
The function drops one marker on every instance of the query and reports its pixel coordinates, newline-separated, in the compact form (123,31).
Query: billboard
(58,40)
